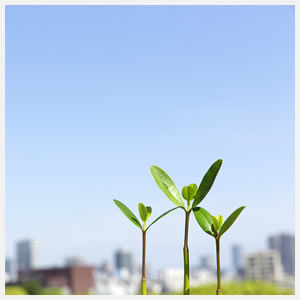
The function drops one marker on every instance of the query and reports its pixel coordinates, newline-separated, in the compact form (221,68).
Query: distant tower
(123,260)
(285,244)
(26,256)
(207,262)
(264,265)
(9,269)
(8,266)
(237,258)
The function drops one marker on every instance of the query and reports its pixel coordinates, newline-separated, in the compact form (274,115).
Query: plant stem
(143,282)
(219,290)
(186,289)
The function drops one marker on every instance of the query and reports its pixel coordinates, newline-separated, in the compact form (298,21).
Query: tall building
(207,262)
(264,265)
(8,266)
(123,260)
(285,244)
(237,258)
(26,255)
(9,270)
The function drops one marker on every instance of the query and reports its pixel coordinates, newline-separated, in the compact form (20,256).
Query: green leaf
(220,221)
(143,212)
(161,216)
(189,192)
(194,187)
(215,223)
(207,182)
(166,184)
(128,213)
(204,219)
(149,212)
(230,220)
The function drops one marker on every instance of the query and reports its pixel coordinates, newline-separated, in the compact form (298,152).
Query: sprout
(193,196)
(145,213)
(214,226)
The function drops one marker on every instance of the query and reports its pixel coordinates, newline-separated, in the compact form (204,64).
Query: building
(285,244)
(8,266)
(207,262)
(171,279)
(265,266)
(237,258)
(26,255)
(105,267)
(9,270)
(77,280)
(123,260)
(74,261)
(205,272)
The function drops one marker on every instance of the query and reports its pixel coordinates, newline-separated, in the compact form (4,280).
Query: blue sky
(97,94)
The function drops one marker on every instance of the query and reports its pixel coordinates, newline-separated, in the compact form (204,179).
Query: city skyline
(97,103)
(235,261)
(121,276)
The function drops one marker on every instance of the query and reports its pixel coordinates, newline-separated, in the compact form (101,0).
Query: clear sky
(97,94)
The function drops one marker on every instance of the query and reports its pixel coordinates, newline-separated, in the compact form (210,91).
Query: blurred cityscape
(275,264)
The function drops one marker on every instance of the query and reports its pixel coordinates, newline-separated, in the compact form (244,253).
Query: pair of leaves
(131,216)
(166,184)
(206,221)
(217,222)
(145,212)
(189,192)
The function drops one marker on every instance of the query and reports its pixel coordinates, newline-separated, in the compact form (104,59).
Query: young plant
(193,196)
(213,226)
(145,212)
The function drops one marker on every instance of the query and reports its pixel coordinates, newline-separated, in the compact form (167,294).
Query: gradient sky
(97,94)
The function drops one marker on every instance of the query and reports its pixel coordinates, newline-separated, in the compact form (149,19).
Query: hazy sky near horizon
(97,94)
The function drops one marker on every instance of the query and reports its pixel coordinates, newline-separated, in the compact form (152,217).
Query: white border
(2,146)
(148,2)
(129,2)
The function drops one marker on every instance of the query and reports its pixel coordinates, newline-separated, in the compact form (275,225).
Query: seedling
(193,196)
(145,212)
(213,226)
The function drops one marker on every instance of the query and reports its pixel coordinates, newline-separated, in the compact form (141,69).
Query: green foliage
(220,221)
(15,290)
(149,212)
(143,212)
(52,291)
(204,219)
(32,287)
(207,182)
(241,288)
(166,184)
(211,224)
(230,220)
(189,192)
(128,213)
(215,223)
